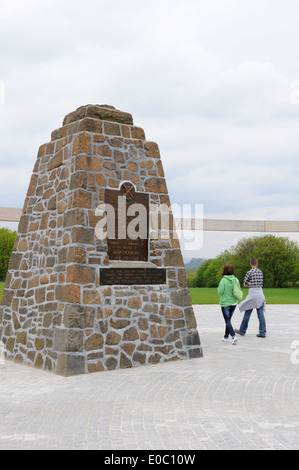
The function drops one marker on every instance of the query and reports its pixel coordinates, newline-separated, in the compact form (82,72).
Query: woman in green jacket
(228,301)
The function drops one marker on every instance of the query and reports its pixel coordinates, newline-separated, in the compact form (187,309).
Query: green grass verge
(206,296)
(209,296)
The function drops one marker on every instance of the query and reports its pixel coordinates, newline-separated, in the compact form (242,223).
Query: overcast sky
(214,82)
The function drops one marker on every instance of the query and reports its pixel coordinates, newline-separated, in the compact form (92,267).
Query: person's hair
(253,261)
(228,270)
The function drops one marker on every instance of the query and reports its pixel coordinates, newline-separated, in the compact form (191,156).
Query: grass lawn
(206,296)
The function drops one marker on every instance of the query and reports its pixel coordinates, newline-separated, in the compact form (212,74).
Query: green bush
(7,239)
(278,259)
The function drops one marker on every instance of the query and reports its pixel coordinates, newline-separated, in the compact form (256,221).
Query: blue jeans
(261,318)
(227,315)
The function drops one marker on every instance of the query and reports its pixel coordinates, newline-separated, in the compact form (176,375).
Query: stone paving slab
(235,397)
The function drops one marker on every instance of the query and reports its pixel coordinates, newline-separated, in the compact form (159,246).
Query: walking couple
(228,301)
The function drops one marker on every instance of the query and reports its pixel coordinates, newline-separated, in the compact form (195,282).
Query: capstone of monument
(95,282)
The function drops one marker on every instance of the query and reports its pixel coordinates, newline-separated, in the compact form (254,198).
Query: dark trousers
(261,317)
(227,315)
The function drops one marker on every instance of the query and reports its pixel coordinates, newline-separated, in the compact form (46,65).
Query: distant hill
(193,264)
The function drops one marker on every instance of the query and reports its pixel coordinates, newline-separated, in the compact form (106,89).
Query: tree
(277,257)
(210,272)
(214,272)
(295,277)
(200,278)
(7,239)
(242,252)
(190,275)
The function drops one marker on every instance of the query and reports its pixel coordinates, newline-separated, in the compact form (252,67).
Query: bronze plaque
(127,232)
(132,276)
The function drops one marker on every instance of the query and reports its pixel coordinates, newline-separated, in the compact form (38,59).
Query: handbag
(237,291)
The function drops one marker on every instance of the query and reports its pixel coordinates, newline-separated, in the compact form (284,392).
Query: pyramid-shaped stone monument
(95,282)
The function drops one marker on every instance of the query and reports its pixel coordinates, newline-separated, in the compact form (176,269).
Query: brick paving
(235,397)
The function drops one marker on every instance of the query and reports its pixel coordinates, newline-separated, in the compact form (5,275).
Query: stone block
(96,367)
(82,144)
(78,316)
(113,338)
(21,337)
(181,297)
(156,185)
(74,217)
(112,128)
(119,324)
(82,198)
(68,365)
(80,274)
(94,342)
(23,224)
(134,302)
(39,344)
(90,125)
(152,150)
(68,293)
(79,180)
(68,340)
(83,235)
(76,254)
(173,258)
(125,362)
(56,161)
(131,334)
(88,163)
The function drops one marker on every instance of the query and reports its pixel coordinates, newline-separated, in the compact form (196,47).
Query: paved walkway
(235,397)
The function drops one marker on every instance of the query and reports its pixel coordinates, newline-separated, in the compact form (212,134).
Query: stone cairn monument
(94,282)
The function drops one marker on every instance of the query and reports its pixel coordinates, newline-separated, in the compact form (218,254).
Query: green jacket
(225,289)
